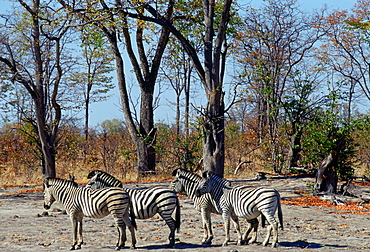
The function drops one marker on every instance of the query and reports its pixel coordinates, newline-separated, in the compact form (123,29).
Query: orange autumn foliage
(350,208)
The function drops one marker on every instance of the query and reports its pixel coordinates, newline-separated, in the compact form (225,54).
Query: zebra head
(176,185)
(211,182)
(48,195)
(94,181)
(51,188)
(205,185)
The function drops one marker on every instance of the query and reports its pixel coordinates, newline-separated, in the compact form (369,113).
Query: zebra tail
(133,219)
(178,215)
(263,220)
(280,214)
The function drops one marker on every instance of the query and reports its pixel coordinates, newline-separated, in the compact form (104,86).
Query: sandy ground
(23,227)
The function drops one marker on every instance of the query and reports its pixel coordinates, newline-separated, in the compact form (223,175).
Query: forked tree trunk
(326,178)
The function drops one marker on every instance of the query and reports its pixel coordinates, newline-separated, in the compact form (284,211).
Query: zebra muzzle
(46,207)
(198,193)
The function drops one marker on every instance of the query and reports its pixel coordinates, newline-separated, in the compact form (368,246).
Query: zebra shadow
(178,246)
(311,245)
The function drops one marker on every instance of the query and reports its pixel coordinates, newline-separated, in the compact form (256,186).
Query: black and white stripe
(145,202)
(81,201)
(244,202)
(187,183)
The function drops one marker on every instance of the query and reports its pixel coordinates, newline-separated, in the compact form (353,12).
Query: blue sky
(112,109)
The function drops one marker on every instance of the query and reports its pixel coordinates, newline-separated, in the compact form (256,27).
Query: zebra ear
(174,172)
(200,173)
(205,174)
(46,183)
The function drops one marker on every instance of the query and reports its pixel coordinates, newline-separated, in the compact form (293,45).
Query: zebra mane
(103,174)
(185,171)
(93,173)
(58,181)
(214,176)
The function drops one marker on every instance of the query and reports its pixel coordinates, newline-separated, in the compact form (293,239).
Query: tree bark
(295,149)
(326,178)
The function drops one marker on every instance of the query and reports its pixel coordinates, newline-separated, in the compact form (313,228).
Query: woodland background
(296,88)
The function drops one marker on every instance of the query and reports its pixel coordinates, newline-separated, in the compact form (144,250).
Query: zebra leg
(275,234)
(130,227)
(118,217)
(171,224)
(80,239)
(265,242)
(272,227)
(208,234)
(74,222)
(121,237)
(252,225)
(237,229)
(226,217)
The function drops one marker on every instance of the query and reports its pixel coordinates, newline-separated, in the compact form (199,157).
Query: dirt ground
(25,227)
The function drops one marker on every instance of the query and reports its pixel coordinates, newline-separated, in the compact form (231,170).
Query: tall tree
(114,22)
(34,59)
(96,81)
(275,40)
(211,74)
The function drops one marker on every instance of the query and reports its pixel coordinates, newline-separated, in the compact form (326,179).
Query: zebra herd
(105,195)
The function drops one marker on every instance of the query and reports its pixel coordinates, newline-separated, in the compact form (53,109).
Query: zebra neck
(60,194)
(63,194)
(190,187)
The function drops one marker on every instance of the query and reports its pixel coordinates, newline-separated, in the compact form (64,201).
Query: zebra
(81,201)
(145,202)
(244,202)
(187,182)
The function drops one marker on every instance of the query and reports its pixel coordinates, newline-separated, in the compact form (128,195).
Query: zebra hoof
(207,242)
(242,242)
(117,248)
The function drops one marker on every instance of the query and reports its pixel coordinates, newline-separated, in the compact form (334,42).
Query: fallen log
(361,192)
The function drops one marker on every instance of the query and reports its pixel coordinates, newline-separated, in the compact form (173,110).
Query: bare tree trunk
(326,178)
(213,137)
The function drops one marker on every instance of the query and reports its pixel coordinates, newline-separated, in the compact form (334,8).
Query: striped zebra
(145,202)
(187,182)
(244,202)
(81,201)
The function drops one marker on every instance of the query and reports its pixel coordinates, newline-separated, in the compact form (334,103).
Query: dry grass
(10,177)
